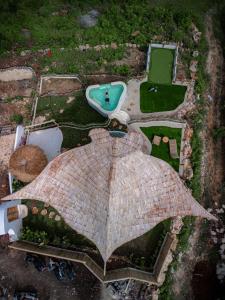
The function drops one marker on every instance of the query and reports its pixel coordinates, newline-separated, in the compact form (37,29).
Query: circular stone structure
(111,190)
(27,162)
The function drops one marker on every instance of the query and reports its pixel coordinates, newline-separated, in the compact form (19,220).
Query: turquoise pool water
(98,94)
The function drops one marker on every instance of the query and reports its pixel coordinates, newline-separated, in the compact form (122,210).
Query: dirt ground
(15,273)
(212,168)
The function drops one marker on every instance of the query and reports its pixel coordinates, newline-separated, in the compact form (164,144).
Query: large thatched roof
(111,190)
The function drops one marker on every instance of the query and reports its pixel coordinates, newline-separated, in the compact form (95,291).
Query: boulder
(90,19)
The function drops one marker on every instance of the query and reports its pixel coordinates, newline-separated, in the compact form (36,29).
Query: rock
(39,120)
(44,212)
(188,173)
(25,52)
(188,133)
(90,19)
(26,33)
(35,210)
(176,225)
(46,69)
(135,33)
(113,46)
(193,66)
(70,99)
(51,214)
(97,48)
(94,13)
(195,53)
(57,218)
(187,150)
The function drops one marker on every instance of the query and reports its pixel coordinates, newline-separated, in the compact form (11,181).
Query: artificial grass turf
(166,98)
(162,151)
(78,112)
(161,65)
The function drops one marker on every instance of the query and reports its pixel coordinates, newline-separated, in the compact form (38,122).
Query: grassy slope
(167,97)
(161,65)
(162,151)
(78,112)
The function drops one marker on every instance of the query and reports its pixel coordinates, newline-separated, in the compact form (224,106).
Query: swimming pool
(106,98)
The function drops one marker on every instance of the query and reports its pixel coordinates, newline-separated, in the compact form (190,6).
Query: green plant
(124,70)
(17,118)
(36,236)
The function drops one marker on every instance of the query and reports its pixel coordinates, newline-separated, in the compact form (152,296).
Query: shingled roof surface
(111,190)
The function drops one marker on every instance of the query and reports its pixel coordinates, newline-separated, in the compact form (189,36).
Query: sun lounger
(156,140)
(173,149)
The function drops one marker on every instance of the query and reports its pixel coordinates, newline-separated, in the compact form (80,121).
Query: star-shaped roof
(111,190)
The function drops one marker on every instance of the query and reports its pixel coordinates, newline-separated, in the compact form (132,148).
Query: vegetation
(17,118)
(169,19)
(42,229)
(161,65)
(143,251)
(81,62)
(160,97)
(162,151)
(78,112)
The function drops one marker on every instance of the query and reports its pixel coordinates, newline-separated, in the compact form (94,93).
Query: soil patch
(85,286)
(204,282)
(23,88)
(60,86)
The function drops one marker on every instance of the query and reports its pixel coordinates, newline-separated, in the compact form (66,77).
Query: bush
(124,70)
(17,118)
(36,236)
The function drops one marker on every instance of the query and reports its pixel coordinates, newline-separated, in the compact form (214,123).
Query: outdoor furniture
(156,140)
(173,148)
(165,139)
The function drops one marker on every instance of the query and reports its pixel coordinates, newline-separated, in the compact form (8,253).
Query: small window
(12,213)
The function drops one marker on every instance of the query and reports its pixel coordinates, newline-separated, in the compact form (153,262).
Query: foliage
(51,232)
(17,185)
(63,30)
(36,236)
(124,70)
(17,118)
(219,132)
(80,62)
(162,151)
(156,97)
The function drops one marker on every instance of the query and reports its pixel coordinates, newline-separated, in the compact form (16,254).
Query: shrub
(36,236)
(17,118)
(122,70)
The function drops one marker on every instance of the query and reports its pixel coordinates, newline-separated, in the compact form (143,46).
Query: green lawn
(78,111)
(167,97)
(161,65)
(162,151)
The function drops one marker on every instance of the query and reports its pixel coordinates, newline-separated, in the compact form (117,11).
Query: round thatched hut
(27,162)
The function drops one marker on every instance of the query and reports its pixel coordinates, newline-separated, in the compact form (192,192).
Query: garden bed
(160,97)
(42,227)
(162,151)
